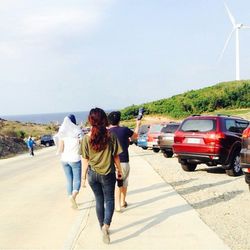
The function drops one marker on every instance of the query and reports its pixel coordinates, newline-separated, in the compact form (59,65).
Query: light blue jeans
(73,173)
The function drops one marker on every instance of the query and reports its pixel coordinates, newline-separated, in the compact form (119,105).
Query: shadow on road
(183,182)
(151,221)
(215,200)
(193,189)
(149,188)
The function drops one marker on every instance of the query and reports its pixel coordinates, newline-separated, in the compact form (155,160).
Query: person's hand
(119,175)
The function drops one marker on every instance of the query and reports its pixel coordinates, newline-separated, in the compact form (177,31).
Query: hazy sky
(61,55)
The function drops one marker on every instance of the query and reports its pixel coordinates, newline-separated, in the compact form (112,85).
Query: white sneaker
(73,202)
(105,235)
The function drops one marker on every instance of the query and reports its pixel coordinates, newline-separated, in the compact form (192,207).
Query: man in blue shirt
(123,134)
(30,143)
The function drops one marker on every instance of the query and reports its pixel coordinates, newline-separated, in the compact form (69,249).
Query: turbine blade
(230,15)
(245,27)
(226,43)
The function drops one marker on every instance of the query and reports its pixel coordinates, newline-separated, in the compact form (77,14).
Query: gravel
(222,201)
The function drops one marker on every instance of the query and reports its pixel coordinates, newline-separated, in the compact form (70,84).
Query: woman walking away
(68,140)
(100,153)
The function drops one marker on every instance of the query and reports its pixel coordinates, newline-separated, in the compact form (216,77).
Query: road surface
(35,211)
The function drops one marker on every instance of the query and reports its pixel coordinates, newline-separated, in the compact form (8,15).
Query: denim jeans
(103,187)
(73,172)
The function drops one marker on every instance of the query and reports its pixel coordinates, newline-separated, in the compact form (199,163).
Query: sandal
(125,204)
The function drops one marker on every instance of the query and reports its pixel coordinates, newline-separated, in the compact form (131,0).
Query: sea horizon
(47,118)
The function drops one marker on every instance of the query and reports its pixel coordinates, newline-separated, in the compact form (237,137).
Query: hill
(222,96)
(13,134)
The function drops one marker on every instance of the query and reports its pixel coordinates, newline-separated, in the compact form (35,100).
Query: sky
(64,56)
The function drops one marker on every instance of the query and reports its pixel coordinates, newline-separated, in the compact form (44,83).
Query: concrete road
(34,208)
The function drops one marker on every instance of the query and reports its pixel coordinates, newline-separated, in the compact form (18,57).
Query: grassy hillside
(23,130)
(220,97)
(12,135)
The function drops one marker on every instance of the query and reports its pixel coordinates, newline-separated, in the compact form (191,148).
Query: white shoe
(73,202)
(105,235)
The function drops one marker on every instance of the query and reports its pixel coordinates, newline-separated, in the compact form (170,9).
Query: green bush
(227,95)
(21,134)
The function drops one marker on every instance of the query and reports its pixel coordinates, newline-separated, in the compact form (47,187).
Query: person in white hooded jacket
(67,141)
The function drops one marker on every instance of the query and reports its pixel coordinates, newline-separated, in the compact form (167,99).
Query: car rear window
(170,128)
(46,137)
(236,126)
(155,128)
(198,125)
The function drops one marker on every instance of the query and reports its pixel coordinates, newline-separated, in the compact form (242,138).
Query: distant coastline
(57,118)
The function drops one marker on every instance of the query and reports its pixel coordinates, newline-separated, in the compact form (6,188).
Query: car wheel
(145,148)
(188,167)
(168,154)
(247,178)
(47,144)
(156,150)
(235,169)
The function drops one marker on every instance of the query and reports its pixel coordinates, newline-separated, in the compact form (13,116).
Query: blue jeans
(103,187)
(73,172)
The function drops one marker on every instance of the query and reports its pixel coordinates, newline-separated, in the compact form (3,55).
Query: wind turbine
(236,28)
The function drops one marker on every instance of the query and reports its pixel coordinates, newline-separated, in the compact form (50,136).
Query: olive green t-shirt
(101,162)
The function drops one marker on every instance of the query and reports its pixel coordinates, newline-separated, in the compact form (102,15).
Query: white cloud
(60,21)
(9,50)
(26,25)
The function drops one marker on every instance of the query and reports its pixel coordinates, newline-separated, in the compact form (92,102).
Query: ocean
(81,117)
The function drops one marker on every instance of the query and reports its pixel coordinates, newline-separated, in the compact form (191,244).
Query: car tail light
(214,137)
(246,170)
(178,137)
(246,133)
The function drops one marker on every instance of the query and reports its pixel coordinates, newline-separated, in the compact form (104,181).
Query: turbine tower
(236,28)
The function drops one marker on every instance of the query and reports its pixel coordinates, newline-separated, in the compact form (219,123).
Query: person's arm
(60,147)
(85,163)
(136,130)
(118,167)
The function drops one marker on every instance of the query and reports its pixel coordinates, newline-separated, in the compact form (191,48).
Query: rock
(11,146)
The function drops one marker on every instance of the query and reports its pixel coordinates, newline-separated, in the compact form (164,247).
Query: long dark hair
(100,136)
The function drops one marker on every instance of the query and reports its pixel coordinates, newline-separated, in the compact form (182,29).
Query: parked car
(153,133)
(213,140)
(245,155)
(143,129)
(166,138)
(142,136)
(142,141)
(47,140)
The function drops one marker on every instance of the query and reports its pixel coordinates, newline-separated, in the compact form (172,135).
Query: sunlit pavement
(156,217)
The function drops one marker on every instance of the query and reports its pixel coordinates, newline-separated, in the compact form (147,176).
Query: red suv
(212,140)
(245,155)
